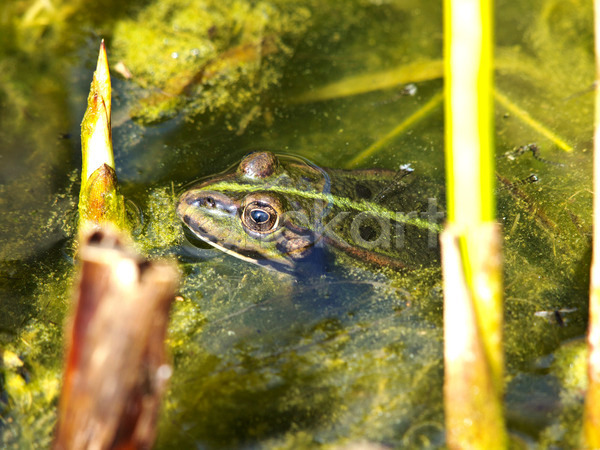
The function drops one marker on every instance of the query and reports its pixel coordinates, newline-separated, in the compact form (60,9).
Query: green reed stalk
(99,199)
(471,255)
(591,417)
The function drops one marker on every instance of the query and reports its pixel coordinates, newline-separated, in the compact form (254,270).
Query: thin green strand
(341,202)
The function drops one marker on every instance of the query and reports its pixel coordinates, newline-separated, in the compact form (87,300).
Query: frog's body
(281,211)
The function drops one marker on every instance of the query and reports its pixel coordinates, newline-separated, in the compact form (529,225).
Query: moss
(32,387)
(570,367)
(160,230)
(207,56)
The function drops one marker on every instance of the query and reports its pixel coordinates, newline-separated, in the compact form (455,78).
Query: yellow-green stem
(469,106)
(468,71)
(403,126)
(591,419)
(526,118)
(99,199)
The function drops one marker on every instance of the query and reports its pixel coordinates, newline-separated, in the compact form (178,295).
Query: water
(260,359)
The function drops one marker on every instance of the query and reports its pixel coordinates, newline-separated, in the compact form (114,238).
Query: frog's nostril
(204,202)
(210,202)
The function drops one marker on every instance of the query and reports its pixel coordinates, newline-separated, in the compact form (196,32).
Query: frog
(285,213)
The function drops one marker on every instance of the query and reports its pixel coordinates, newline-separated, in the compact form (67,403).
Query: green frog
(286,213)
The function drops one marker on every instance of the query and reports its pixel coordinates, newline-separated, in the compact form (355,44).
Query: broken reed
(99,200)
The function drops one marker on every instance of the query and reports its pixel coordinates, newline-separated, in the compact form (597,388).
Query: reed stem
(591,417)
(99,199)
(471,256)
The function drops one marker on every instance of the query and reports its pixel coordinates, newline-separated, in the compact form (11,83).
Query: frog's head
(251,213)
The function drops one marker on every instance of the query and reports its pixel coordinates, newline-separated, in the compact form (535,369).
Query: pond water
(262,359)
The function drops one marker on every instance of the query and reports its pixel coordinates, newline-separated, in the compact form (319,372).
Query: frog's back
(390,218)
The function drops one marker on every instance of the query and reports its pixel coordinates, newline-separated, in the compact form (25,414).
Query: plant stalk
(471,254)
(591,416)
(99,199)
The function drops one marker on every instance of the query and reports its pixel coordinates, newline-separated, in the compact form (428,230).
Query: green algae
(160,230)
(28,409)
(208,57)
(570,367)
(326,367)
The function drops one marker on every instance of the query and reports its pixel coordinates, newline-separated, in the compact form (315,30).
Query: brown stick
(116,365)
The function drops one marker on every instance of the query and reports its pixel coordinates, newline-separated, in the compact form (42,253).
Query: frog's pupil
(259,216)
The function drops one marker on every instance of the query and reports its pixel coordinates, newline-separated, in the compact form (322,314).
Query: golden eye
(261,215)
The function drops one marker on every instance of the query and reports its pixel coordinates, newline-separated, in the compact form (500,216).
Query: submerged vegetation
(214,59)
(351,356)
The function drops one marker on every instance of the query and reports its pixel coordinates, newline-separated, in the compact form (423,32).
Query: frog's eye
(260,217)
(261,213)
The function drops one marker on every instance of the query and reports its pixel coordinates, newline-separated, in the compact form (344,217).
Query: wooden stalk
(116,366)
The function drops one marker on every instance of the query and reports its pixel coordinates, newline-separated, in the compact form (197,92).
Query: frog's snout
(196,203)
